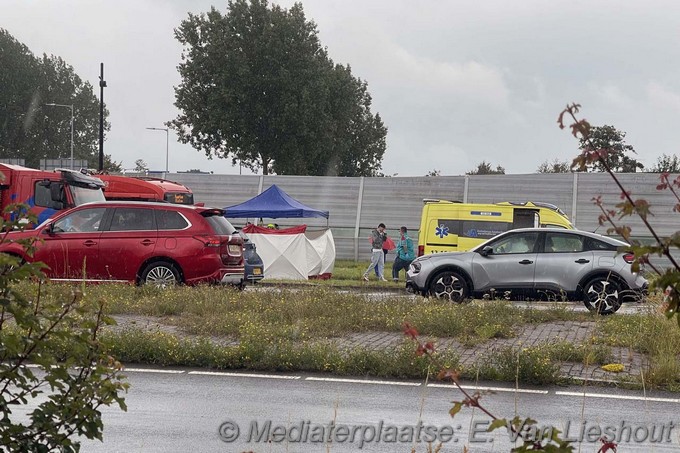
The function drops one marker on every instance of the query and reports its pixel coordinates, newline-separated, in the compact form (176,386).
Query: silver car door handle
(526,262)
(582,261)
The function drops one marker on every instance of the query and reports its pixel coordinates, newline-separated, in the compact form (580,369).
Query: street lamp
(167,141)
(69,106)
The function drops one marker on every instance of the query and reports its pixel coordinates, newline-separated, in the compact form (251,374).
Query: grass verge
(652,334)
(160,348)
(289,330)
(307,314)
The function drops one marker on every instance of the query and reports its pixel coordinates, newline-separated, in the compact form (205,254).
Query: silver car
(534,262)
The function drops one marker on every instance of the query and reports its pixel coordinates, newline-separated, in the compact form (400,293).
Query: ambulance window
(550,225)
(42,195)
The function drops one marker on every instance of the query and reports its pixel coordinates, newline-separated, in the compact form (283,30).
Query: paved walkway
(530,335)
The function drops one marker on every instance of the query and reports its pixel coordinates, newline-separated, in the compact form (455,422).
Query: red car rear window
(219,224)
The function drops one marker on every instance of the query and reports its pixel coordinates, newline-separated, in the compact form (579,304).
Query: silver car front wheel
(449,285)
(602,296)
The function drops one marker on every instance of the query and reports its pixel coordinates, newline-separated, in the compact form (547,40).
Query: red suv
(139,242)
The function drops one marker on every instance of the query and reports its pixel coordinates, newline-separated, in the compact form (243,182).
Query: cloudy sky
(456,82)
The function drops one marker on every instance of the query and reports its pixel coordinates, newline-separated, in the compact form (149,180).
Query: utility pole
(102,85)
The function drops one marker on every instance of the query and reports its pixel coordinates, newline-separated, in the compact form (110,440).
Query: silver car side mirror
(486,250)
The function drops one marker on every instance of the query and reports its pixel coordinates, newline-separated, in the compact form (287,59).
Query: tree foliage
(610,143)
(556,166)
(141,166)
(31,130)
(44,407)
(258,87)
(666,164)
(111,166)
(485,168)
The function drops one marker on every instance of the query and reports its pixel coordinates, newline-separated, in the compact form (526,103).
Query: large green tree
(609,143)
(32,130)
(258,87)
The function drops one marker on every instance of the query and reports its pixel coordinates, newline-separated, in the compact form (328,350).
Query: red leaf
(409,330)
(447,374)
(607,445)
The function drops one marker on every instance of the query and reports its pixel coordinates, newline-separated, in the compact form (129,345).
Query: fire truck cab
(47,192)
(141,188)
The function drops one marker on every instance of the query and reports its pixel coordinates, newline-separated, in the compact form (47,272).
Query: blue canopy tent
(297,256)
(273,203)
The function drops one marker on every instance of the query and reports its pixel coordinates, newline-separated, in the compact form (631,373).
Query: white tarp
(295,256)
(320,252)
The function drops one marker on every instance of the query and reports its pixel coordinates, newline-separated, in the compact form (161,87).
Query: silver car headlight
(415,267)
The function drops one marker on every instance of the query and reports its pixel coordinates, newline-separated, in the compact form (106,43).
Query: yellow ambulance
(452,226)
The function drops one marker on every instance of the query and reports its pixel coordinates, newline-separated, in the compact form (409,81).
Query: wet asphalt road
(182,410)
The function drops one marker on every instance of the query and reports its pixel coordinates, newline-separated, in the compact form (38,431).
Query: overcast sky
(456,82)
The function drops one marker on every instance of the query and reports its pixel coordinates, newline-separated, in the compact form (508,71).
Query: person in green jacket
(405,254)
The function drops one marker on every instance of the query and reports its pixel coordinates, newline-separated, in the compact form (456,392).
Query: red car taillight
(629,257)
(229,248)
(209,241)
(421,250)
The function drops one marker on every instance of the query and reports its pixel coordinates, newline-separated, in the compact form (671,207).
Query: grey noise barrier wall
(358,204)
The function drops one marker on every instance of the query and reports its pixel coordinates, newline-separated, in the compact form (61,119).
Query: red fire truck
(142,188)
(47,192)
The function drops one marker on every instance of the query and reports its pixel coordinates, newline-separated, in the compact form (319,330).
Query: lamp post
(70,106)
(167,141)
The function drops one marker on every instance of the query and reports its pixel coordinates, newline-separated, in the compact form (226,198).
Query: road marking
(619,397)
(263,376)
(151,370)
(364,381)
(490,389)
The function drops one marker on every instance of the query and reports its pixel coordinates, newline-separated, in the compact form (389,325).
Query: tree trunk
(265,166)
